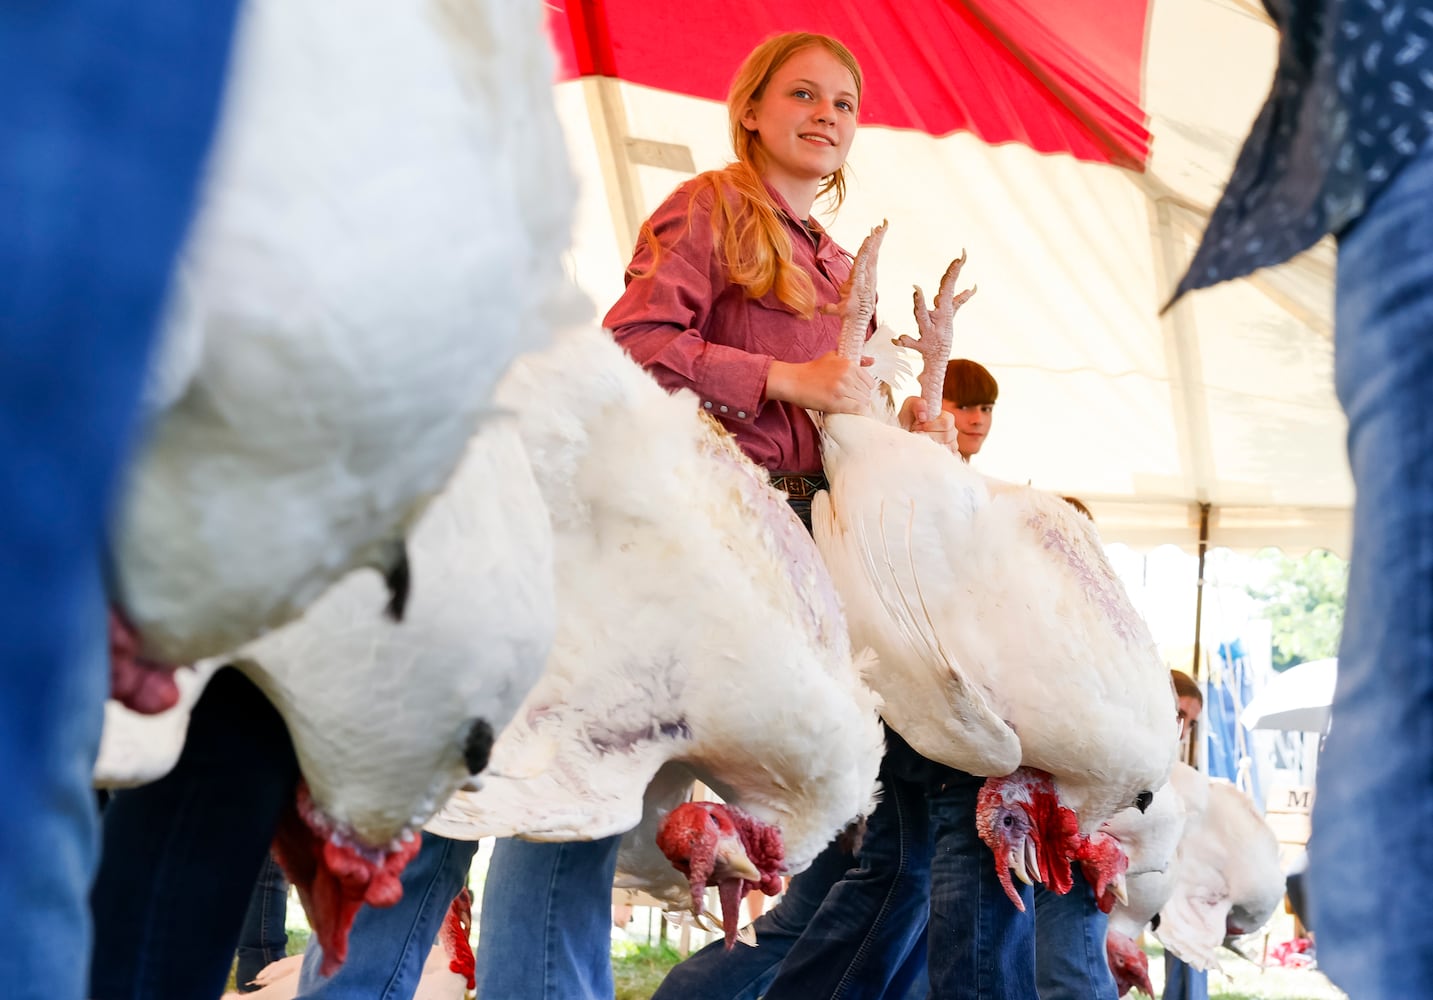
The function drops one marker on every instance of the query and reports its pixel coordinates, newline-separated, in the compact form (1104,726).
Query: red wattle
(334,880)
(457,927)
(139,684)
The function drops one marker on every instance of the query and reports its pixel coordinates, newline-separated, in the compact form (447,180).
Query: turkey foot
(937,332)
(858,297)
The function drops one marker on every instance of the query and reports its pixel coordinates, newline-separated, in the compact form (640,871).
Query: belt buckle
(796,487)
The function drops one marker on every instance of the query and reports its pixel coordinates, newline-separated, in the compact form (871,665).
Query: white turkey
(387,718)
(1229,878)
(698,636)
(379,234)
(1150,841)
(1144,895)
(1002,634)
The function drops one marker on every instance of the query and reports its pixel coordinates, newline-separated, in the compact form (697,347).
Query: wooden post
(1193,760)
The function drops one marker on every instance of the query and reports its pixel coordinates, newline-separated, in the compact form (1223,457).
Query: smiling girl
(732,290)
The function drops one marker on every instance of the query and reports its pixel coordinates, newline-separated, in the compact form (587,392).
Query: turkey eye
(1008,820)
(1142,800)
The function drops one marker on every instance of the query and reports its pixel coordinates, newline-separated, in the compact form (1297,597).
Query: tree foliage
(1303,600)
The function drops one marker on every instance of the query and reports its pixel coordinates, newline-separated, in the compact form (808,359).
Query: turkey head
(709,842)
(1021,819)
(1104,862)
(1128,964)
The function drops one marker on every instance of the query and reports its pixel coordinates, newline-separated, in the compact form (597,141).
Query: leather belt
(798,487)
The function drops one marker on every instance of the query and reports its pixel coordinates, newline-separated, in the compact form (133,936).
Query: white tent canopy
(1227,400)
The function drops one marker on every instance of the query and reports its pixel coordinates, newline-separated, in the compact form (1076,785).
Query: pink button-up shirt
(689,326)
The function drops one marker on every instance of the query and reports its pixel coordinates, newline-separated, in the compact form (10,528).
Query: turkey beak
(1017,865)
(736,863)
(1032,860)
(1120,891)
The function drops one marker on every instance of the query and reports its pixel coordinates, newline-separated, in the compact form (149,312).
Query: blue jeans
(181,854)
(1183,982)
(1375,782)
(743,973)
(980,945)
(106,108)
(922,865)
(857,940)
(388,946)
(263,938)
(1070,958)
(545,931)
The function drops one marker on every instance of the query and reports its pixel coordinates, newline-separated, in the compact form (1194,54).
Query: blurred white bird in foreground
(389,718)
(698,636)
(379,234)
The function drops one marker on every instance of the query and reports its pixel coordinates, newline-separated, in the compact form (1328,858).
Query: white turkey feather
(1151,842)
(380,711)
(1150,838)
(135,748)
(1228,880)
(947,573)
(379,234)
(697,626)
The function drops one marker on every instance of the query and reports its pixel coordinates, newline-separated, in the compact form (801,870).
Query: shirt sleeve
(660,316)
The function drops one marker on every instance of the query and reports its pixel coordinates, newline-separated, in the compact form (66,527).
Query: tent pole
(1198,623)
(609,126)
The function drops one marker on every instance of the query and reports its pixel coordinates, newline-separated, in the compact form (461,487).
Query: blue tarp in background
(1225,740)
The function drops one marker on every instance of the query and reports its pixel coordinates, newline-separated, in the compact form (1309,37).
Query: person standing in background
(1181,981)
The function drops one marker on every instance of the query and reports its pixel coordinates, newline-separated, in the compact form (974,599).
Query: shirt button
(741,414)
(723,409)
(708,405)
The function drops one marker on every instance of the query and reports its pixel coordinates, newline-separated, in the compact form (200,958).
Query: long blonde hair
(755,244)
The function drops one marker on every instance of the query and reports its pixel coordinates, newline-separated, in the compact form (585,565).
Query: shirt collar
(826,247)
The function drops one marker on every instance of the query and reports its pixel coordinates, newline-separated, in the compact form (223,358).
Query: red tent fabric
(1057,77)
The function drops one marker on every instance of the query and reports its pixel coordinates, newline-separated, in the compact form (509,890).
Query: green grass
(640,966)
(639,969)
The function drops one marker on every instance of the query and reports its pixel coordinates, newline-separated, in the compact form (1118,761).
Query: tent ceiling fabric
(1227,399)
(1063,81)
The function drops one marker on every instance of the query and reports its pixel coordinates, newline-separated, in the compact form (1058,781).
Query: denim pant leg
(180,854)
(49,839)
(980,946)
(1070,959)
(744,973)
(105,115)
(263,939)
(1375,780)
(912,982)
(1183,982)
(388,945)
(546,923)
(858,940)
